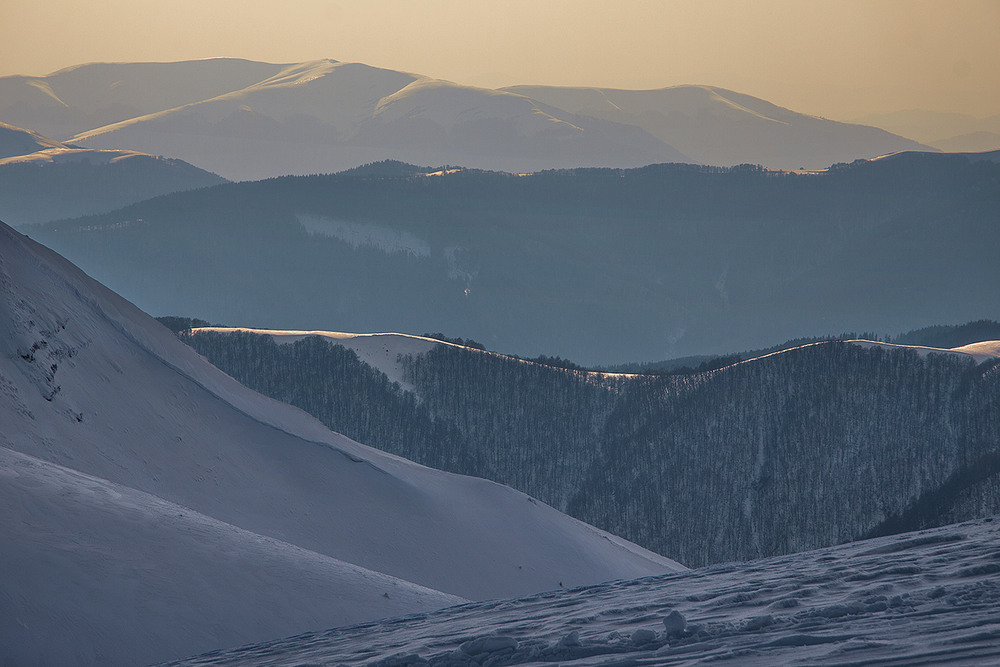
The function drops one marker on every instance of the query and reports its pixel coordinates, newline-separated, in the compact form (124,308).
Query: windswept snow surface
(926,598)
(90,383)
(138,578)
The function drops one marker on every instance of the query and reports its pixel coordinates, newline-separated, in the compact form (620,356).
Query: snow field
(921,598)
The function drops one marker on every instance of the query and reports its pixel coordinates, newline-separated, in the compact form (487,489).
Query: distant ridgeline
(944,336)
(603,265)
(815,446)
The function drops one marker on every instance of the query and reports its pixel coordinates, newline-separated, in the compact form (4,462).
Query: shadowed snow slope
(80,98)
(916,599)
(89,382)
(97,573)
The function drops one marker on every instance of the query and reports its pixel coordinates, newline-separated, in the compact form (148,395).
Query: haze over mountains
(721,127)
(952,132)
(926,598)
(247,120)
(42,179)
(598,266)
(156,508)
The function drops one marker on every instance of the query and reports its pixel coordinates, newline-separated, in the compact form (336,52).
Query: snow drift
(96,396)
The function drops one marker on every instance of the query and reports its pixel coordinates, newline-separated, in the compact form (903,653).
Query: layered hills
(722,127)
(954,132)
(42,179)
(155,508)
(600,266)
(812,446)
(76,99)
(247,120)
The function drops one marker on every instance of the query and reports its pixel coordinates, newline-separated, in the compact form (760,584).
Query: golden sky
(835,58)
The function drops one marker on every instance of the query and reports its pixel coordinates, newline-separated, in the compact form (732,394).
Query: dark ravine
(810,447)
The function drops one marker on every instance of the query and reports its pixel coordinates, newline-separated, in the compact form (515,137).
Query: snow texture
(915,599)
(122,563)
(103,408)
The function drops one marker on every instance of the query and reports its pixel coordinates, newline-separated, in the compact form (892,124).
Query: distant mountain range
(951,132)
(42,179)
(154,508)
(721,127)
(248,120)
(598,266)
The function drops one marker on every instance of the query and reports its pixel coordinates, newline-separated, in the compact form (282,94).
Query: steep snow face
(98,573)
(90,382)
(920,598)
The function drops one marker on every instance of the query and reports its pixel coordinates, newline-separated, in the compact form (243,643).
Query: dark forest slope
(600,266)
(809,447)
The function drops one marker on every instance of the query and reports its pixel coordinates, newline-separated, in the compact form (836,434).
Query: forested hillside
(601,266)
(805,448)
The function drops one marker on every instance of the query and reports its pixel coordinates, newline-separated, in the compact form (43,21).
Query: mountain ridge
(702,121)
(241,120)
(42,179)
(727,448)
(705,260)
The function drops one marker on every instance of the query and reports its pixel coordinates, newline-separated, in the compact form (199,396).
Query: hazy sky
(836,58)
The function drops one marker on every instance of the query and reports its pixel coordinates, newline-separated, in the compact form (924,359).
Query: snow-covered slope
(248,120)
(980,352)
(79,98)
(89,382)
(381,351)
(723,127)
(15,141)
(324,116)
(926,598)
(97,573)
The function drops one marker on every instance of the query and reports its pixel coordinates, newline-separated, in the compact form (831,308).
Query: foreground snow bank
(920,598)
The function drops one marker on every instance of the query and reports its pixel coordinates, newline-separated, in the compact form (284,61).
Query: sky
(835,58)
